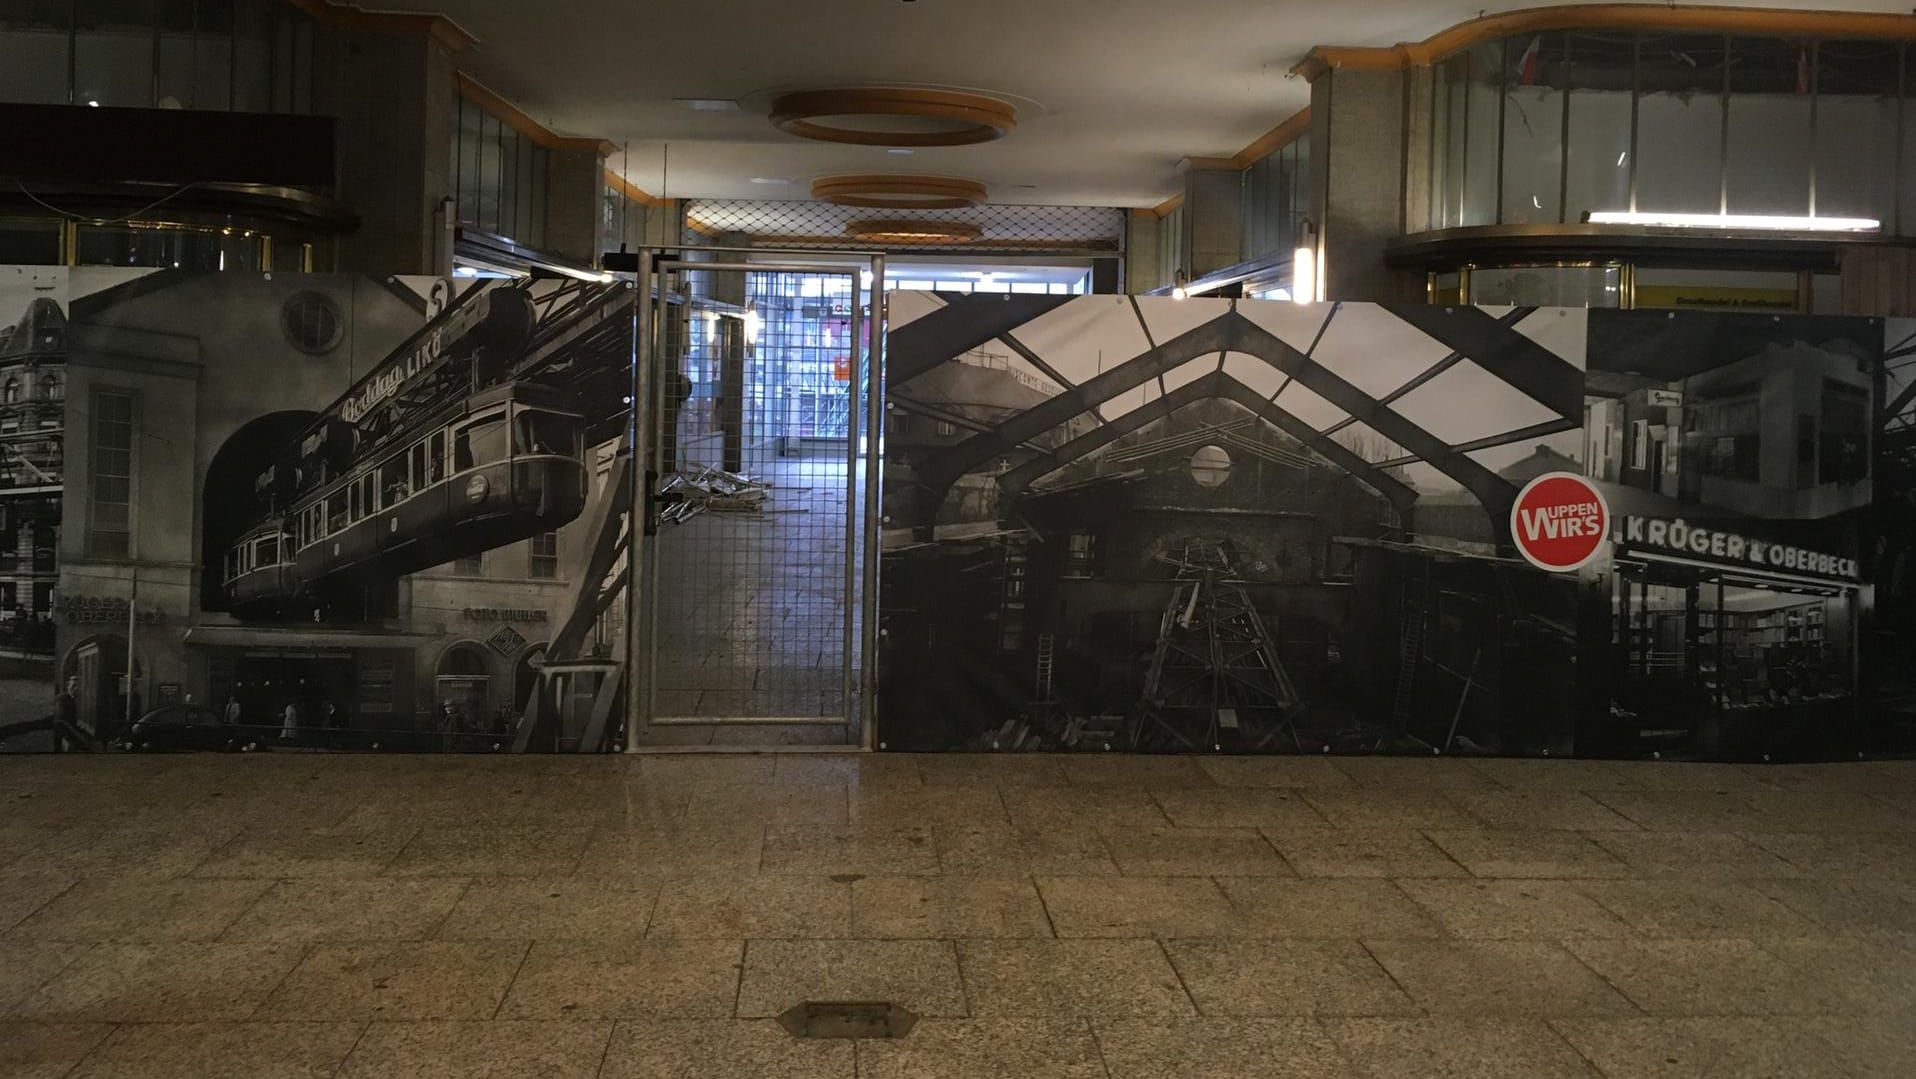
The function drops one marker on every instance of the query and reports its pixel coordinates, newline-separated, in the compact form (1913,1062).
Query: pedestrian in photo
(232,714)
(289,722)
(66,706)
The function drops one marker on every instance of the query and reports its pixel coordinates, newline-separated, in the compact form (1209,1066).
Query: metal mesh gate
(981,231)
(750,625)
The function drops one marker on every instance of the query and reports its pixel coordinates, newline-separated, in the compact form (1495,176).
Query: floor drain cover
(847,1019)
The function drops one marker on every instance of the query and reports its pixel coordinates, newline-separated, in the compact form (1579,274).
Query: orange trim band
(1728,20)
(1294,127)
(514,117)
(631,191)
(1167,207)
(345,16)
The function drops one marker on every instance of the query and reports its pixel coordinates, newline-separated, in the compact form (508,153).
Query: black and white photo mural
(300,511)
(1199,525)
(1734,451)
(1889,560)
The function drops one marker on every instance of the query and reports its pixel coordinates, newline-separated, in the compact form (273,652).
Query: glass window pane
(285,41)
(470,138)
(253,62)
(1602,69)
(1856,129)
(1680,123)
(212,49)
(33,51)
(1484,103)
(1447,139)
(1769,134)
(1545,286)
(29,243)
(522,191)
(302,64)
(489,162)
(1533,129)
(1906,208)
(103,246)
(508,175)
(174,87)
(536,228)
(113,53)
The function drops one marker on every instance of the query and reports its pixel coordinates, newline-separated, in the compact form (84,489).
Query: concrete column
(575,202)
(394,95)
(1213,216)
(728,286)
(1358,141)
(649,225)
(1143,237)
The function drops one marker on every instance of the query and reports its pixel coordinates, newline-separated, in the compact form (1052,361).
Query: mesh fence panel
(1065,230)
(753,613)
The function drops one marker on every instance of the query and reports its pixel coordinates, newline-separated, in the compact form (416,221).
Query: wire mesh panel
(976,230)
(752,610)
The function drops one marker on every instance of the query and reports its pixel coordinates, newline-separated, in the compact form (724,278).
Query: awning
(255,637)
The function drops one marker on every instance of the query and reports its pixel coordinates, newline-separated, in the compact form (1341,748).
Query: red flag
(1527,64)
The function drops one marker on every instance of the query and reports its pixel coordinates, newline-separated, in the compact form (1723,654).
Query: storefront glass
(498,174)
(1857,107)
(1546,128)
(220,55)
(1547,286)
(1276,198)
(1533,133)
(1598,70)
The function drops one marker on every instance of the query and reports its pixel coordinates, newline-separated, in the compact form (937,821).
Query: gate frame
(656,263)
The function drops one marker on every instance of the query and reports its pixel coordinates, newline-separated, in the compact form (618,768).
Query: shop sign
(1666,398)
(437,340)
(92,610)
(507,642)
(1716,298)
(1677,536)
(841,368)
(502,614)
(1559,521)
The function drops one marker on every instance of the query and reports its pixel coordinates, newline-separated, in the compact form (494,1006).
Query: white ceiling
(1123,88)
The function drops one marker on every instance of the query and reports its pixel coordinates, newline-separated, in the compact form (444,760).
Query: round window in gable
(312,322)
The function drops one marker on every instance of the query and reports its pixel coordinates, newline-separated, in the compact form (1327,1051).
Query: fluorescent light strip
(1734,221)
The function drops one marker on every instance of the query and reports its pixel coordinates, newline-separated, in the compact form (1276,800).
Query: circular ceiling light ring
(893,230)
(899,192)
(953,118)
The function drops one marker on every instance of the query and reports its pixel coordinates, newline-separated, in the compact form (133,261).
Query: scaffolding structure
(1215,676)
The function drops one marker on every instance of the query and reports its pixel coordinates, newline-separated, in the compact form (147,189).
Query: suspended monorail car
(496,466)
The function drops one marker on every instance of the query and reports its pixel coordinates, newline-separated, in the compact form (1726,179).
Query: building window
(109,529)
(542,556)
(499,174)
(13,391)
(312,322)
(1843,450)
(470,566)
(1727,436)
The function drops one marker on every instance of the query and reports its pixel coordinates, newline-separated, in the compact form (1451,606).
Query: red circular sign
(1559,521)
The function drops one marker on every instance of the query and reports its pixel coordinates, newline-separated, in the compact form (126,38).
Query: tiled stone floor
(282,915)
